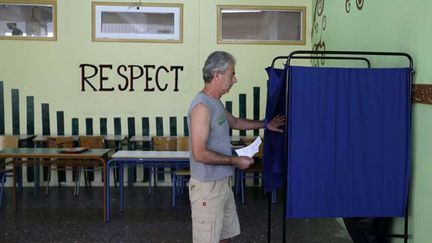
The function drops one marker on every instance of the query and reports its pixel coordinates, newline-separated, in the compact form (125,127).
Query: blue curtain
(273,141)
(348,142)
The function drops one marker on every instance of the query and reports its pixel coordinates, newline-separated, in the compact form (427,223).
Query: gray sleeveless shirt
(218,140)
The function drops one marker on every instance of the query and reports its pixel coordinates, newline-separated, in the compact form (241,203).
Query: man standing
(214,215)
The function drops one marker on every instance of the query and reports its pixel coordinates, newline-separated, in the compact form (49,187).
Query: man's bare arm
(247,124)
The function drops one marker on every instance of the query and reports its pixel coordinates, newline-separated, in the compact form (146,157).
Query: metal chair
(162,143)
(6,142)
(91,142)
(255,171)
(181,175)
(59,142)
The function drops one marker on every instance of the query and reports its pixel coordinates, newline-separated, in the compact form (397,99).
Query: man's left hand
(275,124)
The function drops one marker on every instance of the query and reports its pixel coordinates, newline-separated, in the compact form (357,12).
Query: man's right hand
(242,162)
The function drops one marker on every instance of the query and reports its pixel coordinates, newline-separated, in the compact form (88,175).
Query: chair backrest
(8,142)
(247,139)
(162,143)
(60,142)
(91,141)
(182,143)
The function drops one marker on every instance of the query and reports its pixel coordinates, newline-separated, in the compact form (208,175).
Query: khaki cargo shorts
(214,214)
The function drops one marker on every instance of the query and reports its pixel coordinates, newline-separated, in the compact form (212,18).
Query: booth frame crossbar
(338,55)
(322,57)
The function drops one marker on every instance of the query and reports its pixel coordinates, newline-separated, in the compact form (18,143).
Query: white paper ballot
(251,149)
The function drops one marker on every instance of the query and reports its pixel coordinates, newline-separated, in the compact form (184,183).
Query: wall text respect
(148,78)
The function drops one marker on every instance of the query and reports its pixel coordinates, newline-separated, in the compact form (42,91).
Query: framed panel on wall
(28,19)
(237,24)
(137,22)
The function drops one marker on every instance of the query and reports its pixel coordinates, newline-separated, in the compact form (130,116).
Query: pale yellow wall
(49,70)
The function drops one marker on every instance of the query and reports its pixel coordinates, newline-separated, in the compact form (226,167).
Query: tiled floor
(60,217)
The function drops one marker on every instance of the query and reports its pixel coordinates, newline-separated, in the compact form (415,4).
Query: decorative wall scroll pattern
(318,27)
(359,4)
(422,93)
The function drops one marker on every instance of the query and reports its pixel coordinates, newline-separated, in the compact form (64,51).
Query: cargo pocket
(203,226)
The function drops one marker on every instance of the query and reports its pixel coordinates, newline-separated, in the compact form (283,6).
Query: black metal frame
(338,55)
(302,57)
(322,57)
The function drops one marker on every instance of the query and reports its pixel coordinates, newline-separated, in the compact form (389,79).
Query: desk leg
(118,145)
(36,179)
(131,171)
(14,187)
(131,175)
(105,192)
(36,171)
(173,191)
(121,179)
(20,177)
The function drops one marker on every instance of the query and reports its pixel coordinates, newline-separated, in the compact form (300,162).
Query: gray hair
(218,61)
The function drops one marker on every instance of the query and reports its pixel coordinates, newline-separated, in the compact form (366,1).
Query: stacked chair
(162,143)
(255,171)
(58,142)
(90,142)
(6,142)
(181,175)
